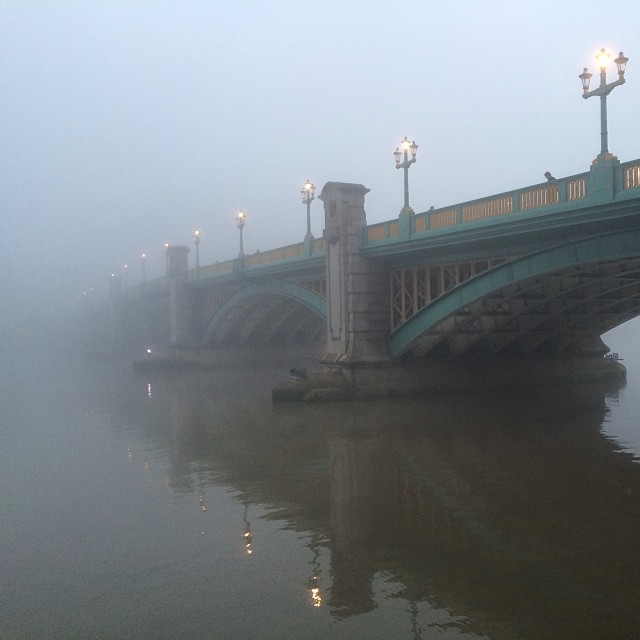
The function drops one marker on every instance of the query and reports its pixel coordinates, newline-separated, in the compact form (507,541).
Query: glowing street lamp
(241,218)
(196,241)
(165,246)
(603,91)
(143,257)
(308,195)
(404,162)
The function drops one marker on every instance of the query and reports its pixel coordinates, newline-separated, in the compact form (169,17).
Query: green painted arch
(611,247)
(317,304)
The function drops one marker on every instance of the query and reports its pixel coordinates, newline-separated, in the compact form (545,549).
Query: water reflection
(201,502)
(314,580)
(247,536)
(514,514)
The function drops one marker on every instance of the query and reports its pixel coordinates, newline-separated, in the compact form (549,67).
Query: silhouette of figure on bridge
(548,176)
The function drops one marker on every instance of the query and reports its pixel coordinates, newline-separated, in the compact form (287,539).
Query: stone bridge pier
(358,301)
(359,325)
(357,290)
(181,305)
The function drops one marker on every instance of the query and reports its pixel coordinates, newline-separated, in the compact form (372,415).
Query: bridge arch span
(271,311)
(559,299)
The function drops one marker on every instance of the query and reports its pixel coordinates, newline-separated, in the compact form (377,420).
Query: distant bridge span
(267,307)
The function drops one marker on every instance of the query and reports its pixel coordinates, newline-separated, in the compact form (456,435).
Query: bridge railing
(210,270)
(275,255)
(565,190)
(315,248)
(292,251)
(631,174)
(300,250)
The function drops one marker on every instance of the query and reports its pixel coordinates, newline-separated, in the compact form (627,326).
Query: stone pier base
(447,375)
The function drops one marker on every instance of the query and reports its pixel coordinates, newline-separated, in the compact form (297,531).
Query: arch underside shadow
(559,299)
(270,313)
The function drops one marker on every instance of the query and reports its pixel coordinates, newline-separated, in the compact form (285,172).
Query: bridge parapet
(299,250)
(631,174)
(605,182)
(212,270)
(261,259)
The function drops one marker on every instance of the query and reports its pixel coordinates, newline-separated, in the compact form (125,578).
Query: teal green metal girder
(512,234)
(306,297)
(608,248)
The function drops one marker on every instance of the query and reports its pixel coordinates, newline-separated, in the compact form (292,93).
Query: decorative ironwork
(576,189)
(382,231)
(317,285)
(440,219)
(540,197)
(487,208)
(211,301)
(632,176)
(376,232)
(216,268)
(414,288)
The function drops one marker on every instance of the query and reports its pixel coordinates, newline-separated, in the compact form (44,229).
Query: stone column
(180,312)
(357,290)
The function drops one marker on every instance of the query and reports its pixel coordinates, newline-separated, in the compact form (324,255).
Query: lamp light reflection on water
(314,581)
(247,535)
(247,544)
(316,596)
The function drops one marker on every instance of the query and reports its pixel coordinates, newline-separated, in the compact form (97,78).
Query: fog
(128,125)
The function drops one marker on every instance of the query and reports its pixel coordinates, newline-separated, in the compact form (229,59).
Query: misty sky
(127,124)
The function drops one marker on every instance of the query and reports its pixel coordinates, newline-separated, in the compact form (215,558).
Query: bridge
(527,280)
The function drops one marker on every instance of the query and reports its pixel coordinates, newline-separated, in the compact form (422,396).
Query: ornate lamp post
(308,195)
(143,257)
(241,218)
(603,91)
(403,162)
(196,241)
(165,246)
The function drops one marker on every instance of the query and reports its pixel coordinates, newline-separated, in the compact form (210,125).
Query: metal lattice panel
(559,309)
(412,289)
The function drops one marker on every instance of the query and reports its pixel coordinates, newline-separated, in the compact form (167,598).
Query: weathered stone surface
(357,307)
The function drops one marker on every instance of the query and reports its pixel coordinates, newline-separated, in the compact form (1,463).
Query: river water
(190,507)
